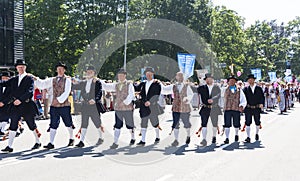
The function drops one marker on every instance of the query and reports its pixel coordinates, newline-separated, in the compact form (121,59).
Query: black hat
(148,69)
(208,75)
(251,76)
(122,71)
(60,64)
(91,67)
(232,77)
(20,62)
(5,74)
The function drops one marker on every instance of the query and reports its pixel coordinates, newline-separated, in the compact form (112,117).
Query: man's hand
(92,102)
(31,75)
(1,104)
(147,104)
(210,101)
(17,102)
(261,106)
(241,109)
(185,100)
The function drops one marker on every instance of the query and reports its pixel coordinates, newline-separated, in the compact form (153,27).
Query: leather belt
(252,107)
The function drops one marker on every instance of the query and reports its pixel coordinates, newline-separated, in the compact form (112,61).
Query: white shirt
(210,87)
(168,90)
(21,77)
(48,83)
(111,87)
(253,88)
(243,101)
(88,85)
(148,84)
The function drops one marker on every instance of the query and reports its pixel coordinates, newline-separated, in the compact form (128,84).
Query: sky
(252,10)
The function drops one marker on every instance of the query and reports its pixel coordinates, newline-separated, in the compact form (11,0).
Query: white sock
(257,129)
(143,131)
(227,132)
(3,125)
(37,139)
(188,132)
(204,132)
(248,131)
(100,133)
(176,134)
(215,129)
(52,135)
(82,134)
(11,137)
(117,135)
(157,132)
(236,131)
(70,129)
(132,134)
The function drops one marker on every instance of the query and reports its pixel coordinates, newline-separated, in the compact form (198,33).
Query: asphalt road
(275,157)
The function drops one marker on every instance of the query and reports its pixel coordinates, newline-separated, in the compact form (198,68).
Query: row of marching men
(19,105)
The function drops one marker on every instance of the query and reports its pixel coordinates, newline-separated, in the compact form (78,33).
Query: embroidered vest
(59,89)
(232,100)
(122,90)
(178,104)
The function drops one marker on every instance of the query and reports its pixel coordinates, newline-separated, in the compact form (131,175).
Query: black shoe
(36,146)
(1,133)
(175,143)
(114,146)
(247,140)
(49,146)
(141,143)
(236,138)
(80,144)
(156,140)
(132,141)
(188,140)
(203,142)
(100,141)
(256,137)
(8,149)
(21,130)
(226,141)
(71,142)
(18,134)
(214,140)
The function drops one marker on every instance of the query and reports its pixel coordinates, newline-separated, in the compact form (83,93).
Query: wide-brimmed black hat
(148,69)
(90,67)
(250,76)
(20,62)
(122,71)
(60,64)
(208,75)
(232,77)
(6,74)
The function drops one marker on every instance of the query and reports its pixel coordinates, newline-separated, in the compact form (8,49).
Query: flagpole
(126,30)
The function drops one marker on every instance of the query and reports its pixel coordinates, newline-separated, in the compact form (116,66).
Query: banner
(272,76)
(186,63)
(257,73)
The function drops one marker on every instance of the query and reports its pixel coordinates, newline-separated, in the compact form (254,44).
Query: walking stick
(78,134)
(199,131)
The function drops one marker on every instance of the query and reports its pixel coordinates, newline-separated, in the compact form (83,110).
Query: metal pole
(126,30)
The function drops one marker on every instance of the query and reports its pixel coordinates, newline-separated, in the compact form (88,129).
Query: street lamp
(126,30)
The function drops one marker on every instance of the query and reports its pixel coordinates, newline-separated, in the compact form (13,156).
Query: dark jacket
(256,98)
(23,92)
(95,93)
(152,96)
(215,96)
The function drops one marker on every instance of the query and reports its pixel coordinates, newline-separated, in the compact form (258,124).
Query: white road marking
(165,177)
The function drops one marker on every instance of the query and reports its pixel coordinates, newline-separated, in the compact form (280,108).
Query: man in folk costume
(281,98)
(181,107)
(150,109)
(235,102)
(123,106)
(255,102)
(21,104)
(91,93)
(60,106)
(210,95)
(4,99)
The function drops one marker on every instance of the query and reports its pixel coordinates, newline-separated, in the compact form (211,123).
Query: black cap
(20,62)
(60,64)
(122,71)
(91,67)
(250,76)
(148,69)
(232,77)
(208,75)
